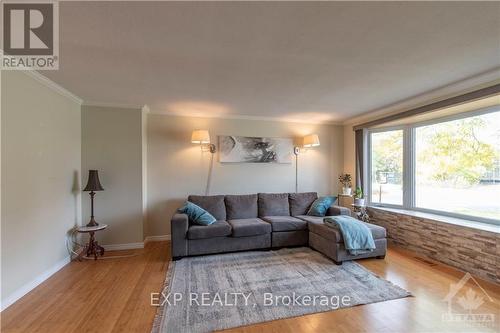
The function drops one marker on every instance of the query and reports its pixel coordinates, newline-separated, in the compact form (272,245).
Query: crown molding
(243,117)
(52,85)
(479,81)
(113,105)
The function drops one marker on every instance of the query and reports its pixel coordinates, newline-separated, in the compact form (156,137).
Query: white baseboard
(126,246)
(159,238)
(11,299)
(138,245)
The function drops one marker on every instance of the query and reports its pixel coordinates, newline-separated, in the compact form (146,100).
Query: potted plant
(358,197)
(345,180)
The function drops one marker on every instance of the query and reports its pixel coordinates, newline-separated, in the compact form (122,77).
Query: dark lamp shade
(93,184)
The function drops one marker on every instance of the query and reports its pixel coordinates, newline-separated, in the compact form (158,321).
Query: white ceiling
(322,61)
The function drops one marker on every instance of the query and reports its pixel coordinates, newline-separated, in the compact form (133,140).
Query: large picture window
(452,166)
(387,167)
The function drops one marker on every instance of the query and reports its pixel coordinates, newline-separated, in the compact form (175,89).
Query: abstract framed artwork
(244,149)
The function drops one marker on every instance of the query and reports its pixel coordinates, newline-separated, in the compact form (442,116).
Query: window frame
(369,161)
(409,164)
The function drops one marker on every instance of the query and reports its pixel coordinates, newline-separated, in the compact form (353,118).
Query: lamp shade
(200,137)
(311,141)
(93,184)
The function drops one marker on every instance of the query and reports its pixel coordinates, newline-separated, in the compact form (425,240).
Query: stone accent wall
(471,250)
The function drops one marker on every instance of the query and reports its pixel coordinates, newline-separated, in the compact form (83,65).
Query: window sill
(443,219)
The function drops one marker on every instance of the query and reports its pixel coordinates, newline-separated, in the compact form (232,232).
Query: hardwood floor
(114,296)
(110,295)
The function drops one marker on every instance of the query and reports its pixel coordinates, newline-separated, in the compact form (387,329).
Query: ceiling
(305,61)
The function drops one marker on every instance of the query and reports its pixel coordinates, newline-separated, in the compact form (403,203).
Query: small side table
(92,248)
(361,213)
(342,196)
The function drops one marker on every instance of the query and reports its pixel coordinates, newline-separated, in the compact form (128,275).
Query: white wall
(177,168)
(50,143)
(112,144)
(40,179)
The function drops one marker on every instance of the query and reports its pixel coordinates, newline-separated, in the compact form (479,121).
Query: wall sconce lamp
(202,137)
(311,141)
(308,142)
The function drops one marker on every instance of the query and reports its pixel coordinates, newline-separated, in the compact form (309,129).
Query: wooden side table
(361,212)
(342,197)
(92,248)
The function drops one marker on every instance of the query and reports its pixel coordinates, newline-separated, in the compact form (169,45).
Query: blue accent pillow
(320,206)
(197,214)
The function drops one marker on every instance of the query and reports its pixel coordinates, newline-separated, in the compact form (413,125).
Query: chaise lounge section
(263,221)
(329,241)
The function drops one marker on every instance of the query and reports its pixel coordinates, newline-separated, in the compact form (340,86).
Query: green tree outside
(451,152)
(387,154)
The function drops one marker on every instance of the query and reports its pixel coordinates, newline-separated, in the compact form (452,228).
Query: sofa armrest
(179,228)
(338,210)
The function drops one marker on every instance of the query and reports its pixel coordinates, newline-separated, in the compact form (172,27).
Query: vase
(346,190)
(359,201)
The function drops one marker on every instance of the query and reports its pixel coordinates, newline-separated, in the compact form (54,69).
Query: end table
(92,248)
(341,197)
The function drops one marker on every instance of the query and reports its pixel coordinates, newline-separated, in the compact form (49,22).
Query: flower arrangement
(345,179)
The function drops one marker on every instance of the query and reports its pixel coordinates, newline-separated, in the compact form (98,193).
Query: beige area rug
(216,292)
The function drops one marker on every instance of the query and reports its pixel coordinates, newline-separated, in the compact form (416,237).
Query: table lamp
(93,185)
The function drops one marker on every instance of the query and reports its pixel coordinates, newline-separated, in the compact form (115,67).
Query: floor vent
(425,261)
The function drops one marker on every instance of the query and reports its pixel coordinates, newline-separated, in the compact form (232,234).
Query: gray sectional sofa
(263,221)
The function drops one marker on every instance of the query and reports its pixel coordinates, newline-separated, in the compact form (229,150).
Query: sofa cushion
(214,204)
(316,225)
(249,227)
(301,202)
(285,223)
(241,206)
(217,229)
(378,232)
(273,204)
(338,210)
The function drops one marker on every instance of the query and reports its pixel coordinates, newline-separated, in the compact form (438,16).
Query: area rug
(208,293)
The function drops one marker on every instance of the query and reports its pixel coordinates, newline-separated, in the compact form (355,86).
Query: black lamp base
(92,223)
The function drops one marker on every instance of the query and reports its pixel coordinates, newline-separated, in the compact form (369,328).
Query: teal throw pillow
(320,206)
(197,214)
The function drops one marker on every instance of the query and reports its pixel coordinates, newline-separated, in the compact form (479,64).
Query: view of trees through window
(458,166)
(387,167)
